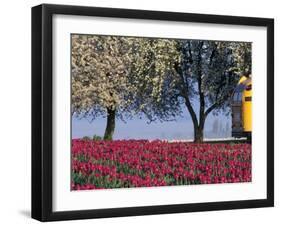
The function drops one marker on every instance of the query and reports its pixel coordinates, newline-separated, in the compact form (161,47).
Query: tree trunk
(199,130)
(110,125)
(198,127)
(198,134)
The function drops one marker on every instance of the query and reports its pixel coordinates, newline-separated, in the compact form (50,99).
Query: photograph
(156,111)
(141,112)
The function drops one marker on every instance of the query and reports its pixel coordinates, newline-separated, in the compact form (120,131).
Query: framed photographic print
(146,112)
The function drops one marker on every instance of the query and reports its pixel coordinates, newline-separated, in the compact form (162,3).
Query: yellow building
(242,108)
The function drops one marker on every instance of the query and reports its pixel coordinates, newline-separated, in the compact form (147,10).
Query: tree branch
(212,54)
(215,105)
(211,108)
(190,109)
(184,94)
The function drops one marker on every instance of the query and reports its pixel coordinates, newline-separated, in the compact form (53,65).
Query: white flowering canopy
(99,74)
(125,74)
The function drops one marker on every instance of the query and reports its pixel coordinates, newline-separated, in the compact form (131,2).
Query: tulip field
(143,163)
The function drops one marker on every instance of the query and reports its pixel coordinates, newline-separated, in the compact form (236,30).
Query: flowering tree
(121,76)
(178,72)
(100,84)
(208,73)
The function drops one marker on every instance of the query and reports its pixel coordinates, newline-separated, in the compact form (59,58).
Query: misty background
(216,126)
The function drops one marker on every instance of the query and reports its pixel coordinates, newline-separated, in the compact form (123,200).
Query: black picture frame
(42,111)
